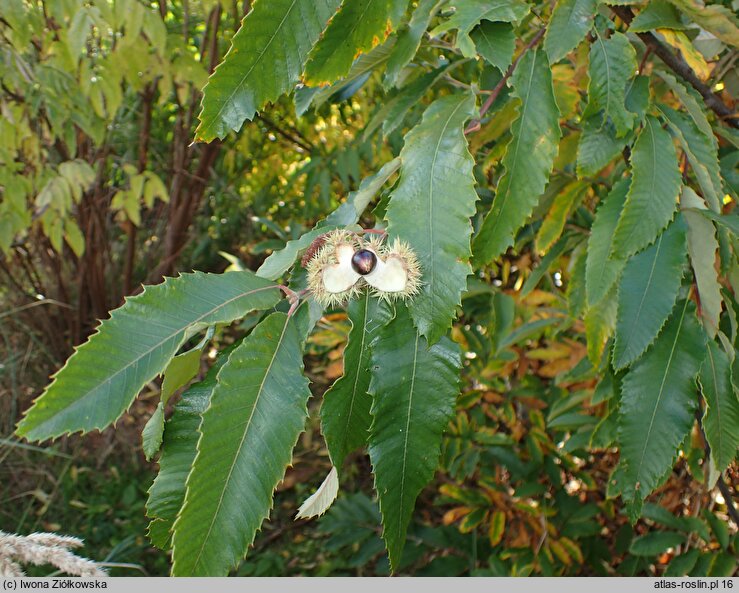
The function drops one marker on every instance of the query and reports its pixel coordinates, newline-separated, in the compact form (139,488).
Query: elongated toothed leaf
(414,388)
(180,440)
(655,186)
(495,42)
(703,248)
(647,293)
(469,13)
(612,64)
(658,401)
(357,27)
(257,411)
(436,165)
(265,61)
(409,39)
(345,411)
(721,416)
(702,153)
(528,160)
(102,378)
(571,20)
(601,272)
(598,146)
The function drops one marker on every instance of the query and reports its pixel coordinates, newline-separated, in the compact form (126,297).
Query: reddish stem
(475,125)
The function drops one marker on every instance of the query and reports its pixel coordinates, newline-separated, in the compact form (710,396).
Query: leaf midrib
(241,444)
(431,218)
(661,389)
(407,429)
(357,370)
(110,378)
(636,317)
(510,171)
(648,124)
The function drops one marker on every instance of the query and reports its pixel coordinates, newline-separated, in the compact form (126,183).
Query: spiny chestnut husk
(334,248)
(340,264)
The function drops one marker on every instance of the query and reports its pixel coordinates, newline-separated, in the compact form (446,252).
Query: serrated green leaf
(469,13)
(345,215)
(721,417)
(657,542)
(602,272)
(409,39)
(436,165)
(702,153)
(647,294)
(102,378)
(257,411)
(414,388)
(265,60)
(598,146)
(528,160)
(159,533)
(692,101)
(151,435)
(655,186)
(345,412)
(702,249)
(638,96)
(658,14)
(715,18)
(571,20)
(357,27)
(180,439)
(495,42)
(612,64)
(657,403)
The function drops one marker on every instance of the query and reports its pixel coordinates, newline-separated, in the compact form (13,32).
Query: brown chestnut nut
(364,261)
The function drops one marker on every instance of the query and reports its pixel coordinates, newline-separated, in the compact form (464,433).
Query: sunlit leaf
(435,165)
(265,60)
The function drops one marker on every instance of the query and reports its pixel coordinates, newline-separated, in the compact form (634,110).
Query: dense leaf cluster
(588,138)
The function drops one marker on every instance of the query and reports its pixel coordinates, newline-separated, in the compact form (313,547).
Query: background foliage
(588,150)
